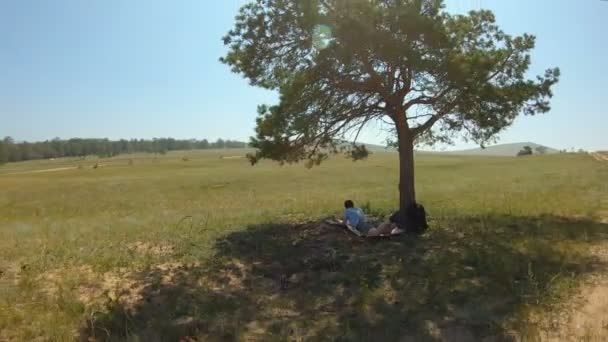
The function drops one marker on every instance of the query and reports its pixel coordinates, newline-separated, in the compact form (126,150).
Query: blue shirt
(353,216)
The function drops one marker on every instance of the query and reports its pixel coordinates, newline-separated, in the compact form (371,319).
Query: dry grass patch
(501,228)
(142,247)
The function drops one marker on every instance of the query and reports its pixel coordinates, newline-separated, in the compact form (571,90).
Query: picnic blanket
(338,223)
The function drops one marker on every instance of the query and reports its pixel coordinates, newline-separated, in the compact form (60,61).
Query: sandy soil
(584,317)
(600,156)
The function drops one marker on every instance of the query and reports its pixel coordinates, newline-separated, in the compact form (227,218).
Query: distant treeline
(11,151)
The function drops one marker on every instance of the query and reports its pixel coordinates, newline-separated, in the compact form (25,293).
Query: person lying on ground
(355,219)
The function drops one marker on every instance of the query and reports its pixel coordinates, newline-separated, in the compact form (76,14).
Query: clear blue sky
(149,68)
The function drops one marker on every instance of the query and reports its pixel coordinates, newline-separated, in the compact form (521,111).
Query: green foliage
(3,153)
(57,148)
(525,151)
(339,65)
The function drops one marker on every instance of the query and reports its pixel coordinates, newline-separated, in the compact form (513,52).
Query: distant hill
(379,148)
(503,150)
(370,147)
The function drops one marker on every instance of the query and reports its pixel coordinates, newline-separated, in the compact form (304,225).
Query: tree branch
(361,128)
(426,100)
(416,131)
(418,116)
(503,64)
(433,100)
(375,77)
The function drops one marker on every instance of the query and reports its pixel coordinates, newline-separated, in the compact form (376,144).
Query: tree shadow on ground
(467,279)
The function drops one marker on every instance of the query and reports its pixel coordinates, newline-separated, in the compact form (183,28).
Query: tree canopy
(3,153)
(340,64)
(525,151)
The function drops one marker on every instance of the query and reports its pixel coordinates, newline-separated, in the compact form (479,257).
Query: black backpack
(413,221)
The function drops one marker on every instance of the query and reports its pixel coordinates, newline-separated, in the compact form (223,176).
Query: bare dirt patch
(600,156)
(88,286)
(149,248)
(123,286)
(584,316)
(9,274)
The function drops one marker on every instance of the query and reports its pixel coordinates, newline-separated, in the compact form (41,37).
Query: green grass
(216,249)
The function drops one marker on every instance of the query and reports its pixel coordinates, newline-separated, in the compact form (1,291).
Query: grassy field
(148,248)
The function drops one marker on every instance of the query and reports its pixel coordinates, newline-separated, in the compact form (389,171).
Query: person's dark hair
(349,204)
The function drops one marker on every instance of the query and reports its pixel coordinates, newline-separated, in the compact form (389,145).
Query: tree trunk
(407,192)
